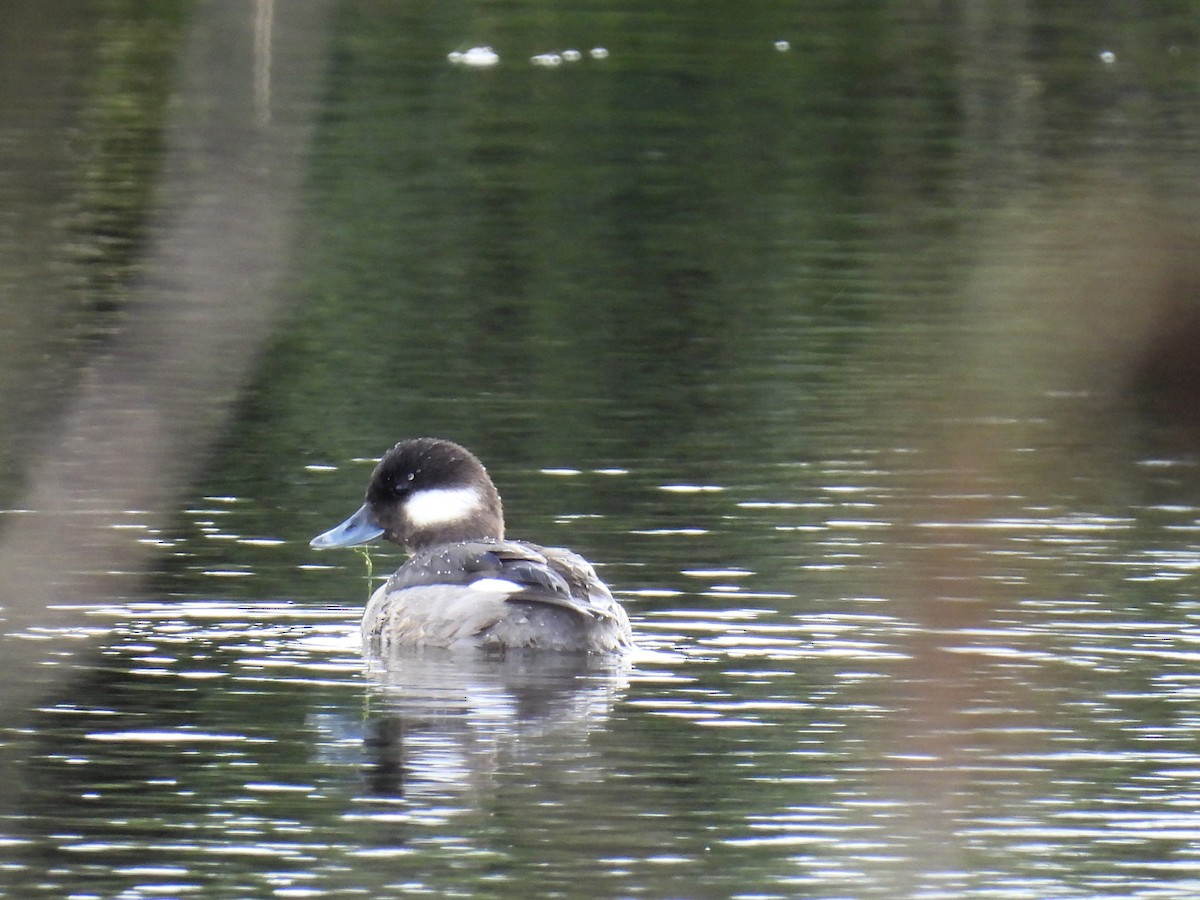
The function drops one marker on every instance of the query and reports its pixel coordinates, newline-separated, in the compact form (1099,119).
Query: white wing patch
(440,506)
(501,586)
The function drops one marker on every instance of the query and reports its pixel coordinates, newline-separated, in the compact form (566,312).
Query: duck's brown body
(465,586)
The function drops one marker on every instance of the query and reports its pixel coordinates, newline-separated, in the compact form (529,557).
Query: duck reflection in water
(449,723)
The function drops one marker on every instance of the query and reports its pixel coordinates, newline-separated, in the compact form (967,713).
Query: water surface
(853,344)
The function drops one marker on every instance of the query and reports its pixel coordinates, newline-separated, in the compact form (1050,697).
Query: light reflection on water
(770,736)
(879,668)
(778,765)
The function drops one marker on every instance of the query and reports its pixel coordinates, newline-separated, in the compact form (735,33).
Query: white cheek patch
(441,506)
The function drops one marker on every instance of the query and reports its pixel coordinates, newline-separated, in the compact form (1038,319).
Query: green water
(852,342)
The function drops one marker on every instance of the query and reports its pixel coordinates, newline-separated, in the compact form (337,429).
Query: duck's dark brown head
(424,492)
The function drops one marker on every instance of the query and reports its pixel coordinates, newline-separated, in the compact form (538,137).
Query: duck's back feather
(495,594)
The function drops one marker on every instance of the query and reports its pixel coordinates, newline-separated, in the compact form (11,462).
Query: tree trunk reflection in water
(155,397)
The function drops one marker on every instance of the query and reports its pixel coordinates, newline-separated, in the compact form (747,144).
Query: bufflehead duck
(464,584)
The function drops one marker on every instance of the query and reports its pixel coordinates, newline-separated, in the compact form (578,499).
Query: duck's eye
(401,485)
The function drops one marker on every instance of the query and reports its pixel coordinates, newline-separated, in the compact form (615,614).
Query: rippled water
(854,345)
(776,734)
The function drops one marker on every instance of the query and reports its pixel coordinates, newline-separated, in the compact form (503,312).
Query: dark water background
(856,343)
